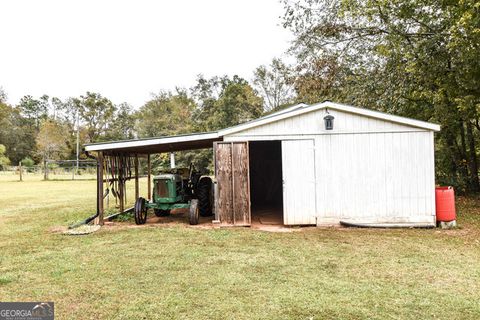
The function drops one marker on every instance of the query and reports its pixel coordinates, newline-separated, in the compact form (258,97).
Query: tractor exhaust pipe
(172,160)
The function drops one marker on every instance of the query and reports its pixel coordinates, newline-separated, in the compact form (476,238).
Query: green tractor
(180,188)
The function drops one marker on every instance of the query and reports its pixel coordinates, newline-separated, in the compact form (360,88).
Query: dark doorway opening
(266,189)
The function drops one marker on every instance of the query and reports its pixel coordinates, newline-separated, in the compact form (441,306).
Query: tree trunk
(462,157)
(450,139)
(474,182)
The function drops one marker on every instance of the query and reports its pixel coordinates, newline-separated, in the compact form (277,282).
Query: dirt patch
(276,228)
(179,217)
(58,229)
(205,223)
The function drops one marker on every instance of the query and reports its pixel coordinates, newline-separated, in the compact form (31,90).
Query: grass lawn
(163,272)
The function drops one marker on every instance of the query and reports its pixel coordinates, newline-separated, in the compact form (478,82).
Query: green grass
(163,272)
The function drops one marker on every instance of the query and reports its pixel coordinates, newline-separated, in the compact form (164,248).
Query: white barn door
(298,169)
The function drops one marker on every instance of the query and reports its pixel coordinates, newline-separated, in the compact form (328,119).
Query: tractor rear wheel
(161,212)
(140,211)
(204,195)
(193,214)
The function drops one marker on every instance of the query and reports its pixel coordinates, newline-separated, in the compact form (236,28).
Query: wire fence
(52,170)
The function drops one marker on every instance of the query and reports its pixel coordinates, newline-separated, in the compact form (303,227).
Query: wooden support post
(99,219)
(149,181)
(121,183)
(137,191)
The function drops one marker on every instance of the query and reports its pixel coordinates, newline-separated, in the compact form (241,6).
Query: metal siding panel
(375,177)
(426,175)
(357,174)
(419,173)
(320,177)
(389,174)
(335,176)
(427,187)
(396,160)
(431,170)
(403,177)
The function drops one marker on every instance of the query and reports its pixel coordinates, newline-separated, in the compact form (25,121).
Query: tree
(123,125)
(51,142)
(16,133)
(4,161)
(3,95)
(96,113)
(166,114)
(221,102)
(206,93)
(57,107)
(413,58)
(35,110)
(224,102)
(238,103)
(274,82)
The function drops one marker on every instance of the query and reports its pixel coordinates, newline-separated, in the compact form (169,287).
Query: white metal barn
(370,167)
(316,165)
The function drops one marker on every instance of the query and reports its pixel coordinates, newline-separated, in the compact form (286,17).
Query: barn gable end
(308,120)
(312,123)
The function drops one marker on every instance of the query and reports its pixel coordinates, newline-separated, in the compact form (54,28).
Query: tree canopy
(413,58)
(418,59)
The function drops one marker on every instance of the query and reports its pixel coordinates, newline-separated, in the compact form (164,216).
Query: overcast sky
(127,50)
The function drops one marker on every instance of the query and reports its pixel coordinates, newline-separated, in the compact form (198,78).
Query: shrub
(28,162)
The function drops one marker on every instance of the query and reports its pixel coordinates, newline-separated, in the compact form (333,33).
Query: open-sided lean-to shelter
(314,165)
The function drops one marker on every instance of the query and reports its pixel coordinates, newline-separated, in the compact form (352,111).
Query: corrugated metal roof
(158,144)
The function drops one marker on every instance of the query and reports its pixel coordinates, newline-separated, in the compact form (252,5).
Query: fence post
(20,170)
(45,170)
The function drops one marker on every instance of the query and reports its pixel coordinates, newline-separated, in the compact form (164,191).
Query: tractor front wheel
(193,214)
(140,211)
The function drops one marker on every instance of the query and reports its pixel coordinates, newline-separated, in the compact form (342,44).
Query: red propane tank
(445,203)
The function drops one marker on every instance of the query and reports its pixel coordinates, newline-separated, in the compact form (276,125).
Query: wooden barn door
(298,169)
(233,183)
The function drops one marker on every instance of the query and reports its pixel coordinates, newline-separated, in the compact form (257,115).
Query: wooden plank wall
(233,180)
(223,174)
(241,183)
